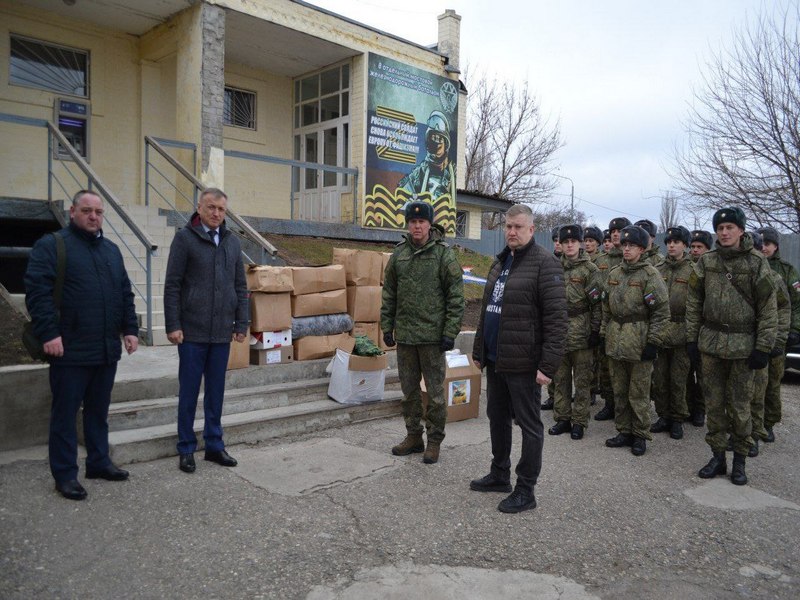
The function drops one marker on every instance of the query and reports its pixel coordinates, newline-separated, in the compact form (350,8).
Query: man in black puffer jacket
(82,338)
(521,341)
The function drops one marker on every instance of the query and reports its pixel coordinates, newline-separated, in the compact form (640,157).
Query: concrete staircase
(260,403)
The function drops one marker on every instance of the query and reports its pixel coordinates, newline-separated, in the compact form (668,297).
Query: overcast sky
(619,74)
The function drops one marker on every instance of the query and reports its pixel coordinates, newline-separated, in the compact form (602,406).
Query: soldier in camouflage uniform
(776,357)
(423,304)
(652,253)
(583,334)
(607,243)
(791,279)
(551,387)
(671,368)
(635,314)
(605,262)
(731,323)
(700,242)
(592,241)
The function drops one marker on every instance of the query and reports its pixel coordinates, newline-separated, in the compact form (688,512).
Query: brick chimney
(450,36)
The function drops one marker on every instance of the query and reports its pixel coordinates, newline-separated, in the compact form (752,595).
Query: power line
(617,210)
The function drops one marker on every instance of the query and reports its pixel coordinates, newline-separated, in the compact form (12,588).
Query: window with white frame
(462,223)
(240,108)
(38,64)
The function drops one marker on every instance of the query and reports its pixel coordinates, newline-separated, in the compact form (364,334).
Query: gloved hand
(794,339)
(594,339)
(447,344)
(776,352)
(694,353)
(758,359)
(650,352)
(388,339)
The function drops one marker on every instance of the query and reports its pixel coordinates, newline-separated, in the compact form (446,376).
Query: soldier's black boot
(716,466)
(698,418)
(548,404)
(738,476)
(676,430)
(660,425)
(606,413)
(620,440)
(639,446)
(770,435)
(560,427)
(753,450)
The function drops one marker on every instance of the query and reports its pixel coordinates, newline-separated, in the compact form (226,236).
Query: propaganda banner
(411,143)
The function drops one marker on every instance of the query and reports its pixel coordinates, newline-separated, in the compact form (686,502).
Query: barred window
(49,67)
(462,219)
(240,108)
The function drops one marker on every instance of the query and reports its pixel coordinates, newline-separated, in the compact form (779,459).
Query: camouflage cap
(678,234)
(704,237)
(648,226)
(633,234)
(770,234)
(758,239)
(731,214)
(618,223)
(594,233)
(419,210)
(570,232)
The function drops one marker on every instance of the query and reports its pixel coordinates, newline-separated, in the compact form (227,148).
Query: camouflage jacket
(654,256)
(423,292)
(676,277)
(635,310)
(791,280)
(607,261)
(732,307)
(784,310)
(584,310)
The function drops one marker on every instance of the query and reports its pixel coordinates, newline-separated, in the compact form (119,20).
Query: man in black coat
(82,338)
(521,341)
(205,308)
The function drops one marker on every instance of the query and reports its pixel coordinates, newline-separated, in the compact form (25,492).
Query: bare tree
(510,144)
(744,129)
(669,211)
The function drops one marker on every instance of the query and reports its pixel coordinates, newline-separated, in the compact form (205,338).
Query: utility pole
(571,195)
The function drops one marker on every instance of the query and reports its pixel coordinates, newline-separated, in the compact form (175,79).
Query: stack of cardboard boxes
(270,314)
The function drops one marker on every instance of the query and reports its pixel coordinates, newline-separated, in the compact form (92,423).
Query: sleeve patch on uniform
(594,293)
(650,299)
(796,286)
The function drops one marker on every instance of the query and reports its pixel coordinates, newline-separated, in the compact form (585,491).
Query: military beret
(633,234)
(618,223)
(679,234)
(570,232)
(593,233)
(419,210)
(554,233)
(758,239)
(648,226)
(731,214)
(770,234)
(606,234)
(704,237)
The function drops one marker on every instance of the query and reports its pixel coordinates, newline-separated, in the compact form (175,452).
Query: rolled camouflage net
(321,325)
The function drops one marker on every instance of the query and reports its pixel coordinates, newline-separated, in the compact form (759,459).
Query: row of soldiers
(701,331)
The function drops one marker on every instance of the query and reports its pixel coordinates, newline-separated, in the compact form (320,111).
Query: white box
(266,340)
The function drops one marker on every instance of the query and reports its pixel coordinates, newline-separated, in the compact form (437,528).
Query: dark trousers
(515,397)
(208,362)
(70,387)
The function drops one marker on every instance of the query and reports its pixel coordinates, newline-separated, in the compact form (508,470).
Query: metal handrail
(251,233)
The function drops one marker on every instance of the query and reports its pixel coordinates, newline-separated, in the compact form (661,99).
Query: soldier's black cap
(633,234)
(704,237)
(570,232)
(606,234)
(419,210)
(731,214)
(554,233)
(648,226)
(593,233)
(758,239)
(618,223)
(679,234)
(770,234)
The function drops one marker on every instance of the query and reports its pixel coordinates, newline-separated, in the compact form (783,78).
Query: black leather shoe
(604,414)
(560,427)
(110,473)
(753,450)
(639,446)
(517,502)
(620,440)
(698,418)
(490,483)
(72,490)
(577,431)
(661,425)
(770,435)
(221,458)
(548,404)
(676,430)
(186,463)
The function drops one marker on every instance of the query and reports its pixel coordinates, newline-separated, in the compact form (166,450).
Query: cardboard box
(310,280)
(462,392)
(371,330)
(238,358)
(385,256)
(321,346)
(266,340)
(270,312)
(321,303)
(269,279)
(364,302)
(361,267)
(276,356)
(357,379)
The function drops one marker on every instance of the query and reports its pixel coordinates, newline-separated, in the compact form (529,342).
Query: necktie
(212,233)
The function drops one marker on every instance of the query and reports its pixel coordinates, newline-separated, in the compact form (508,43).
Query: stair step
(158,318)
(150,443)
(159,335)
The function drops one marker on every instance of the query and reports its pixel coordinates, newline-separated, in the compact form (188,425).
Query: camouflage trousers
(413,364)
(670,373)
(576,366)
(631,381)
(760,379)
(728,390)
(694,392)
(772,398)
